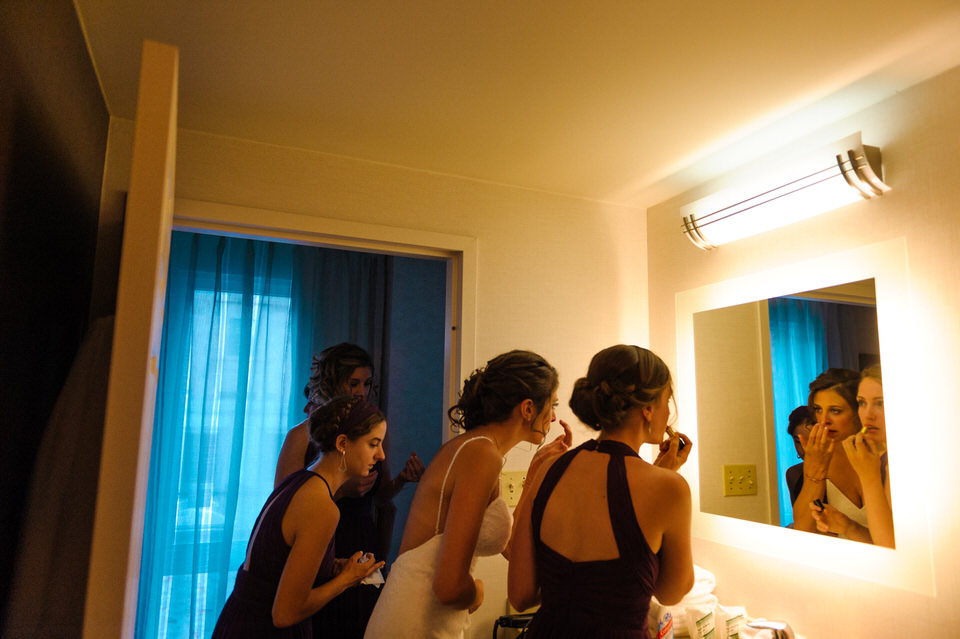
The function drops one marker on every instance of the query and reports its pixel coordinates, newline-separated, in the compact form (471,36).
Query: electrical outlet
(739,479)
(511,485)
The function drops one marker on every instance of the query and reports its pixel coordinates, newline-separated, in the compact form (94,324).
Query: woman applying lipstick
(602,530)
(828,474)
(867,453)
(457,514)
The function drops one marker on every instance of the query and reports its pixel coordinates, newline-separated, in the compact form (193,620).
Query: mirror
(754,363)
(910,566)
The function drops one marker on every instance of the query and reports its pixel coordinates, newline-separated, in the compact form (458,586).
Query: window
(224,404)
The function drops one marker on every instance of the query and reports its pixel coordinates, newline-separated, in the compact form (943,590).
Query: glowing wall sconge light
(844,172)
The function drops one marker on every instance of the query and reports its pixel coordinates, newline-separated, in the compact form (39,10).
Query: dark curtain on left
(53,138)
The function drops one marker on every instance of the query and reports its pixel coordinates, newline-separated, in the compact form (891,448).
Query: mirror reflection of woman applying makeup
(827,473)
(845,490)
(867,453)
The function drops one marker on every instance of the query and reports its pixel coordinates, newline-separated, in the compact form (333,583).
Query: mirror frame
(910,566)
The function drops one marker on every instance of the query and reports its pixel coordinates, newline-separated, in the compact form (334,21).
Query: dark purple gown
(248,610)
(606,598)
(346,616)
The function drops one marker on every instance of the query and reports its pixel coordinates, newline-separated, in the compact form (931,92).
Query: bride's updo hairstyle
(619,378)
(491,393)
(844,382)
(343,415)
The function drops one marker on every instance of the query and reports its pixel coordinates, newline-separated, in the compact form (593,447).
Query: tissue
(730,621)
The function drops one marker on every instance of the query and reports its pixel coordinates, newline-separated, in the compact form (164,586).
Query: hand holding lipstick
(674,450)
(830,520)
(865,456)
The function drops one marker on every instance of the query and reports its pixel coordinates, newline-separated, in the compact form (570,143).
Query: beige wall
(566,277)
(732,347)
(560,276)
(919,133)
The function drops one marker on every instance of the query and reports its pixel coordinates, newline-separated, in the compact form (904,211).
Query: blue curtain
(340,296)
(806,338)
(799,353)
(243,318)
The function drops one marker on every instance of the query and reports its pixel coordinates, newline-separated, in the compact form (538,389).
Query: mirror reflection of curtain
(340,296)
(798,354)
(847,343)
(806,338)
(243,318)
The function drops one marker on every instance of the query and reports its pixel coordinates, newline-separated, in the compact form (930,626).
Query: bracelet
(806,476)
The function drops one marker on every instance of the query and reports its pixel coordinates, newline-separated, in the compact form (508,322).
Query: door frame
(110,606)
(458,251)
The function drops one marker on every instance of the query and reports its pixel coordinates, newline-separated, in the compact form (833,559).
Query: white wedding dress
(838,500)
(408,607)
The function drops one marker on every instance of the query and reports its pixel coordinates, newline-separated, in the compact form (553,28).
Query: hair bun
(343,415)
(618,379)
(583,402)
(491,393)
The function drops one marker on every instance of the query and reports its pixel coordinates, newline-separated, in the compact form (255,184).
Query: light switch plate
(739,479)
(511,485)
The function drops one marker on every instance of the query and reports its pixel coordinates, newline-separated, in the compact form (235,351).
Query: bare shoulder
(663,485)
(299,434)
(292,452)
(313,499)
(311,514)
(295,445)
(473,456)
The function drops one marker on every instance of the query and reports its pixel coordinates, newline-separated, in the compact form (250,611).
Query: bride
(457,514)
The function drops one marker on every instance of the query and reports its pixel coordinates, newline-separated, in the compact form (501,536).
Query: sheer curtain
(340,296)
(798,352)
(806,338)
(243,318)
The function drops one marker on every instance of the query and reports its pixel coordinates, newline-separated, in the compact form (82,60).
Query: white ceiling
(625,101)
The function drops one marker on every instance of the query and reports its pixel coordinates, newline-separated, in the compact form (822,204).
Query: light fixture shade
(840,174)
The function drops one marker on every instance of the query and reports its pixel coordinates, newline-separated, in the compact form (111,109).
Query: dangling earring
(343,461)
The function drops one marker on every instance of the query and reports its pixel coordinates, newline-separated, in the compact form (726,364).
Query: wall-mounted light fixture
(837,175)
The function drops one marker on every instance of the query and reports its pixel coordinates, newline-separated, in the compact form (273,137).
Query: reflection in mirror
(754,364)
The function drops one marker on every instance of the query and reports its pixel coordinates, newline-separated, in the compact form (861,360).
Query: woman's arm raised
(818,450)
(867,461)
(523,588)
(545,456)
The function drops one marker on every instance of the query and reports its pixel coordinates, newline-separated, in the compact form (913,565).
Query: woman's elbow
(449,593)
(521,603)
(672,594)
(283,618)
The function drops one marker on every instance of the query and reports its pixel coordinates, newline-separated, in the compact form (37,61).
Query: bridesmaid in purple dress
(290,572)
(366,508)
(599,530)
